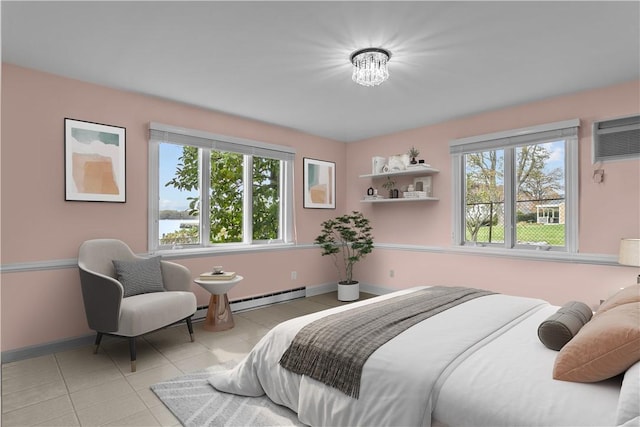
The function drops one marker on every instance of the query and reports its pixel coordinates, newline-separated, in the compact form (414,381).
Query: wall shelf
(415,171)
(401,199)
(418,170)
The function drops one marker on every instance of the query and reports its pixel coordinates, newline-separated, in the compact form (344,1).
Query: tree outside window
(226,190)
(538,180)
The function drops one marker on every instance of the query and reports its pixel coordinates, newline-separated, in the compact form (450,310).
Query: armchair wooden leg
(190,327)
(132,351)
(97,344)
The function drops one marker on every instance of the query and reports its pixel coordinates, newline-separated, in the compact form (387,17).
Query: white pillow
(629,401)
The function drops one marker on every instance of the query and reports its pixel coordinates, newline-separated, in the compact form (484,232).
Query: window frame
(508,141)
(206,143)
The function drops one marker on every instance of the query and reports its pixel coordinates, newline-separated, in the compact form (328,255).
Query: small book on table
(226,275)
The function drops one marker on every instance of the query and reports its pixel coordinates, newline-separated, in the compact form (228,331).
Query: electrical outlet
(392,273)
(294,275)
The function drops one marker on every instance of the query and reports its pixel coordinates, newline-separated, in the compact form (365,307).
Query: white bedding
(479,363)
(509,383)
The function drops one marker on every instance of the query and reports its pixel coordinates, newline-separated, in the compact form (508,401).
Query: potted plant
(413,153)
(347,238)
(388,185)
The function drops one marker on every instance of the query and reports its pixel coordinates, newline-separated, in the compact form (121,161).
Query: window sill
(535,254)
(223,250)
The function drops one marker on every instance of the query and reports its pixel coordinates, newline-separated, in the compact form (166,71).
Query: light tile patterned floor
(79,388)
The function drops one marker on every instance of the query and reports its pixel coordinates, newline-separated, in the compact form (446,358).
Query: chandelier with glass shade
(370,66)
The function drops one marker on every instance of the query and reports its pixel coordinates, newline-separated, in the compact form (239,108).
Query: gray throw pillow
(140,276)
(559,328)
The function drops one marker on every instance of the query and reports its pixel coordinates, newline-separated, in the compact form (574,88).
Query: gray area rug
(196,403)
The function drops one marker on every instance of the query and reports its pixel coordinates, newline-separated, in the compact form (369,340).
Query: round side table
(219,316)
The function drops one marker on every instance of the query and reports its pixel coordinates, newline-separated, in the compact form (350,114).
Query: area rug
(196,403)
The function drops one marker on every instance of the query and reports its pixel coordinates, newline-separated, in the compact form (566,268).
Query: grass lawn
(552,234)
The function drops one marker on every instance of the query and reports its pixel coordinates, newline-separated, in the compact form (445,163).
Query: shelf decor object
(377,164)
(94,162)
(319,184)
(423,184)
(370,66)
(413,153)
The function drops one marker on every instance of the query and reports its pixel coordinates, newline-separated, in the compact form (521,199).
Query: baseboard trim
(48,348)
(333,287)
(321,289)
(375,289)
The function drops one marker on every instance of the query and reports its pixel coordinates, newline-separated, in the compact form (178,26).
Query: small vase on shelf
(413,153)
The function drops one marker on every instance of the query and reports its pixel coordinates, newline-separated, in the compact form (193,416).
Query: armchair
(110,312)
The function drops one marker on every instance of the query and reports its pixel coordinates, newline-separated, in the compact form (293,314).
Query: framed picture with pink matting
(94,162)
(319,184)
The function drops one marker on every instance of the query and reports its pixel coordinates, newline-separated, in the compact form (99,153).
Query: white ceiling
(287,63)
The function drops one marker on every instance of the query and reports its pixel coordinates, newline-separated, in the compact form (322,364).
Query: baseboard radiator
(267,299)
(257,301)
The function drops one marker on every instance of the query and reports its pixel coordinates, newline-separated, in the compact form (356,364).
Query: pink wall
(608,211)
(34,107)
(38,225)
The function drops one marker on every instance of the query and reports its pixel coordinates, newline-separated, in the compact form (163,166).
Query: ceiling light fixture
(370,66)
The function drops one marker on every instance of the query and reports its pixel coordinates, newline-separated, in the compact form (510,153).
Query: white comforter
(481,356)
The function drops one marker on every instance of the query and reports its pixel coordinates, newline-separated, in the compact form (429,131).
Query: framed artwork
(94,162)
(319,184)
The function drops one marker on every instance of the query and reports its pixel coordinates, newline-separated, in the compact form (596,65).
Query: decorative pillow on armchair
(140,276)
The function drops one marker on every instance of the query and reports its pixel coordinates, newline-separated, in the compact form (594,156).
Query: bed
(476,364)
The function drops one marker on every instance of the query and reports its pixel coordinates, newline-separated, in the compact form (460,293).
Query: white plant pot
(349,292)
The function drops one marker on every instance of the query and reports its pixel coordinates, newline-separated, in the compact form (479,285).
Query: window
(209,190)
(517,189)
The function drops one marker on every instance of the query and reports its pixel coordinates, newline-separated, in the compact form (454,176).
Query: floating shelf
(401,199)
(418,170)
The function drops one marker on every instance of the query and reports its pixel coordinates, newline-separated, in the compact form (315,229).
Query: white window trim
(459,147)
(217,141)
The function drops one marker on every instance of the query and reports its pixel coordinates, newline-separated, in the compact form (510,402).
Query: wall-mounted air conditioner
(616,139)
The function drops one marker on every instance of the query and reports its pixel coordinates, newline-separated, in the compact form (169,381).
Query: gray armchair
(109,312)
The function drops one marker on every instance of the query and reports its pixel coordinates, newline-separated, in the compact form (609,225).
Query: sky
(171,198)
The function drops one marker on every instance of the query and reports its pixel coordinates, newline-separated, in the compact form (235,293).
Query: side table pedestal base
(219,316)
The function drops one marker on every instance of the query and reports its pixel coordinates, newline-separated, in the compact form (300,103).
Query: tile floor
(78,388)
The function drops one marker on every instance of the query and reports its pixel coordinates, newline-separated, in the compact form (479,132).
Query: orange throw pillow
(624,296)
(605,347)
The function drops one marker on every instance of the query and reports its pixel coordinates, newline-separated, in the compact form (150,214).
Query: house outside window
(218,192)
(517,189)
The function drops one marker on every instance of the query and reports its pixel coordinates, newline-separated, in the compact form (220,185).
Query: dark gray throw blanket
(334,349)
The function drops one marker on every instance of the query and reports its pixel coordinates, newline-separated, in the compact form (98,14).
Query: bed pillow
(559,328)
(628,407)
(139,277)
(605,347)
(624,296)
